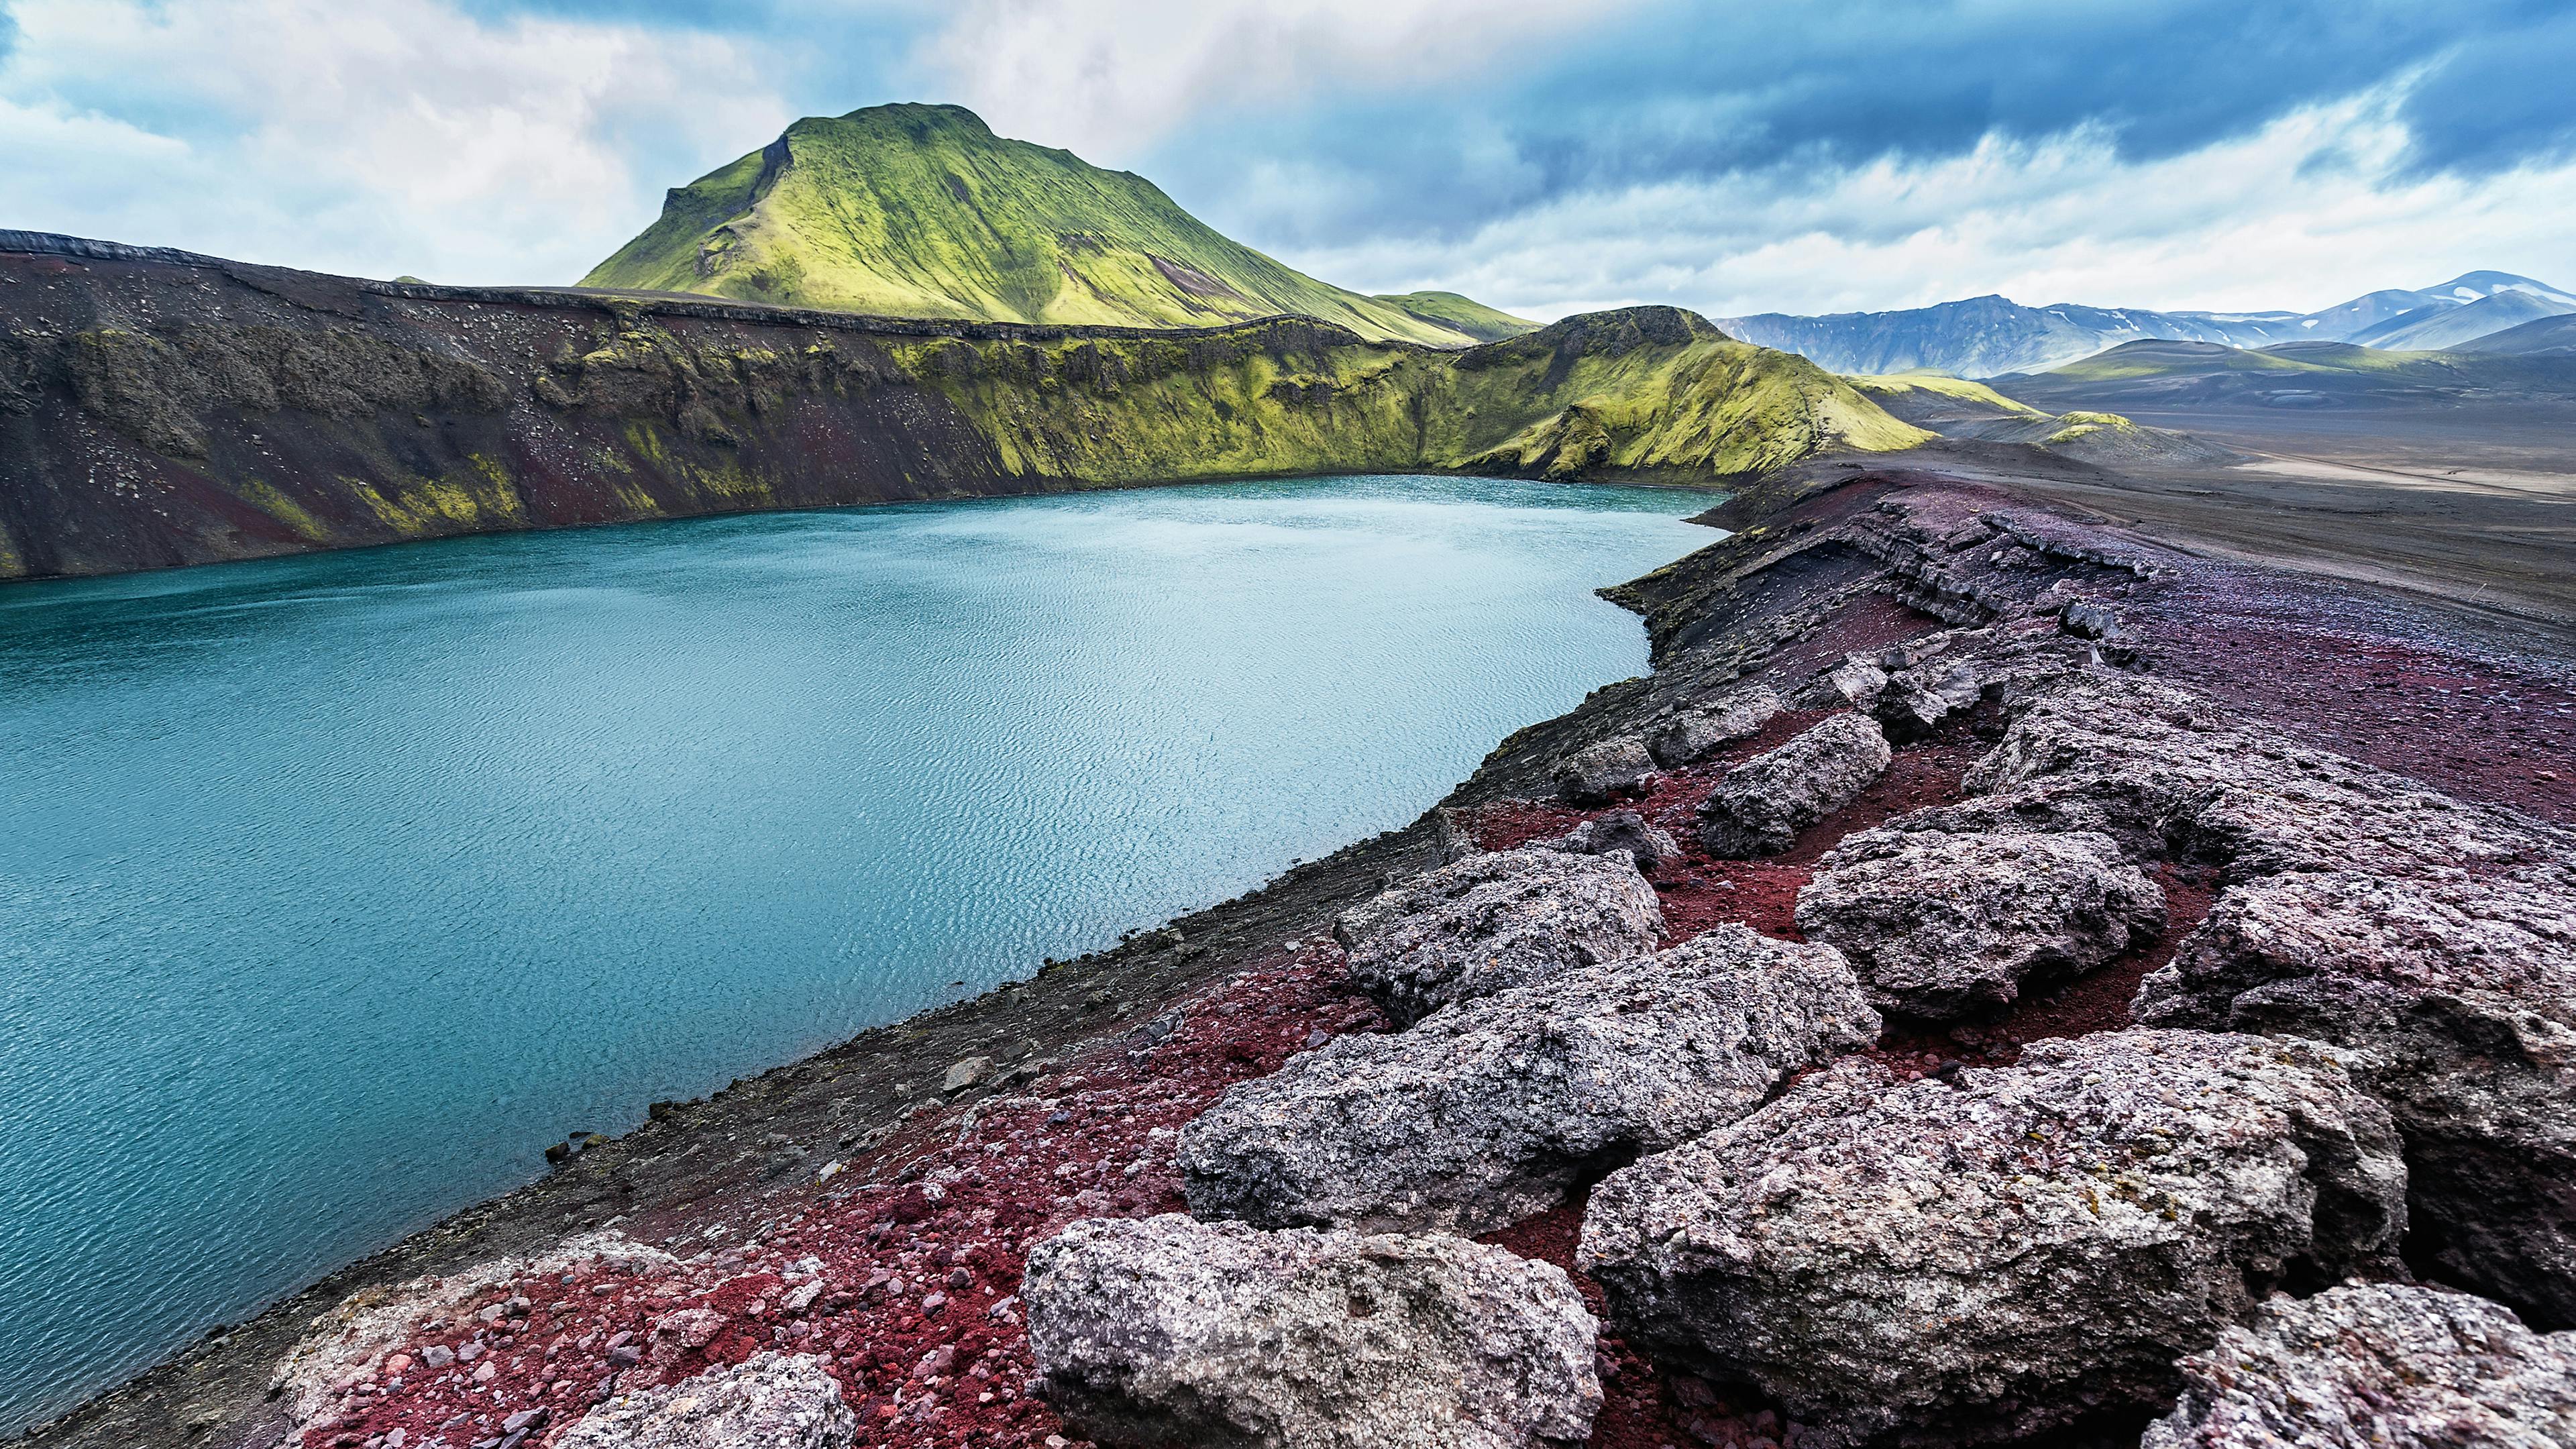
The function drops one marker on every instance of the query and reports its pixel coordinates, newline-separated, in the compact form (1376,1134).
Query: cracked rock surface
(1944,926)
(2461,995)
(1165,1330)
(2007,1251)
(768,1401)
(1492,1110)
(1762,804)
(1495,921)
(2377,1366)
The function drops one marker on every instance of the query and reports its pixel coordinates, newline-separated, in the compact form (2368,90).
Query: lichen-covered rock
(2460,994)
(1494,921)
(2163,770)
(1170,1331)
(1944,926)
(1999,1253)
(348,1345)
(1762,804)
(1492,1110)
(1648,844)
(1694,735)
(768,1401)
(1605,772)
(2377,1366)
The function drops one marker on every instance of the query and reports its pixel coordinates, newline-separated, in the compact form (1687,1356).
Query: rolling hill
(921,211)
(1992,336)
(2434,328)
(2548,337)
(1957,408)
(2298,376)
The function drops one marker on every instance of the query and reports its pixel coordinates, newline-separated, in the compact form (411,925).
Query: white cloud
(2304,213)
(1108,78)
(401,135)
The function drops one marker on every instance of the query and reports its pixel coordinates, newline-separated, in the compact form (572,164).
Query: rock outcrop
(1694,735)
(1944,926)
(1648,844)
(768,1401)
(2461,994)
(2163,770)
(1170,1331)
(1762,804)
(2377,1366)
(2005,1251)
(1493,1109)
(1605,772)
(1495,921)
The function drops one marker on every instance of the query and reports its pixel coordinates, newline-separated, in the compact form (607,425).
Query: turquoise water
(333,888)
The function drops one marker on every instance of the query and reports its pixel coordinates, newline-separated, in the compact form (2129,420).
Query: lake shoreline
(1850,565)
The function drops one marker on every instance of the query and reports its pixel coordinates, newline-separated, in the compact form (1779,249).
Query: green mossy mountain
(921,211)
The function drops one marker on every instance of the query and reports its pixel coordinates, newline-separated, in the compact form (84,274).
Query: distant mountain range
(921,211)
(1991,336)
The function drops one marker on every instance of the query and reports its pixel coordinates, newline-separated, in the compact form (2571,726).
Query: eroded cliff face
(158,408)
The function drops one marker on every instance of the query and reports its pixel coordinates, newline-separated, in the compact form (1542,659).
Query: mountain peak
(920,210)
(924,115)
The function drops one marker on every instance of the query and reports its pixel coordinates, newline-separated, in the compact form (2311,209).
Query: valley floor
(910,1169)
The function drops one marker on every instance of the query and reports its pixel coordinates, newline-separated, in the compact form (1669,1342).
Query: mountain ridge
(1992,335)
(922,211)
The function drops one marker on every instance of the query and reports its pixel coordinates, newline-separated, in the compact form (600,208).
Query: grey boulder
(2003,1252)
(768,1401)
(2377,1366)
(1168,1331)
(2460,996)
(1945,926)
(1494,921)
(1604,772)
(1492,1110)
(1648,844)
(1762,804)
(1694,735)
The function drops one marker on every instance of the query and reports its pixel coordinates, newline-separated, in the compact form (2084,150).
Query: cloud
(1791,154)
(2315,207)
(2498,100)
(405,135)
(1107,78)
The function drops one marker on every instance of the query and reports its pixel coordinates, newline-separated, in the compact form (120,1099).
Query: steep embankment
(160,409)
(921,211)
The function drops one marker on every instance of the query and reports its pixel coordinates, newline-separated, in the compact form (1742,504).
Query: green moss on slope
(921,211)
(1649,390)
(1461,314)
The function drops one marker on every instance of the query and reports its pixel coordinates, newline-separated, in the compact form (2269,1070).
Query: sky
(1540,155)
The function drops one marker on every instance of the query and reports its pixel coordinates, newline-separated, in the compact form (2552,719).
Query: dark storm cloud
(2501,98)
(1691,92)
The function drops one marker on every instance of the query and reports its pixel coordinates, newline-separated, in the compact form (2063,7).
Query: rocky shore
(1999,980)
